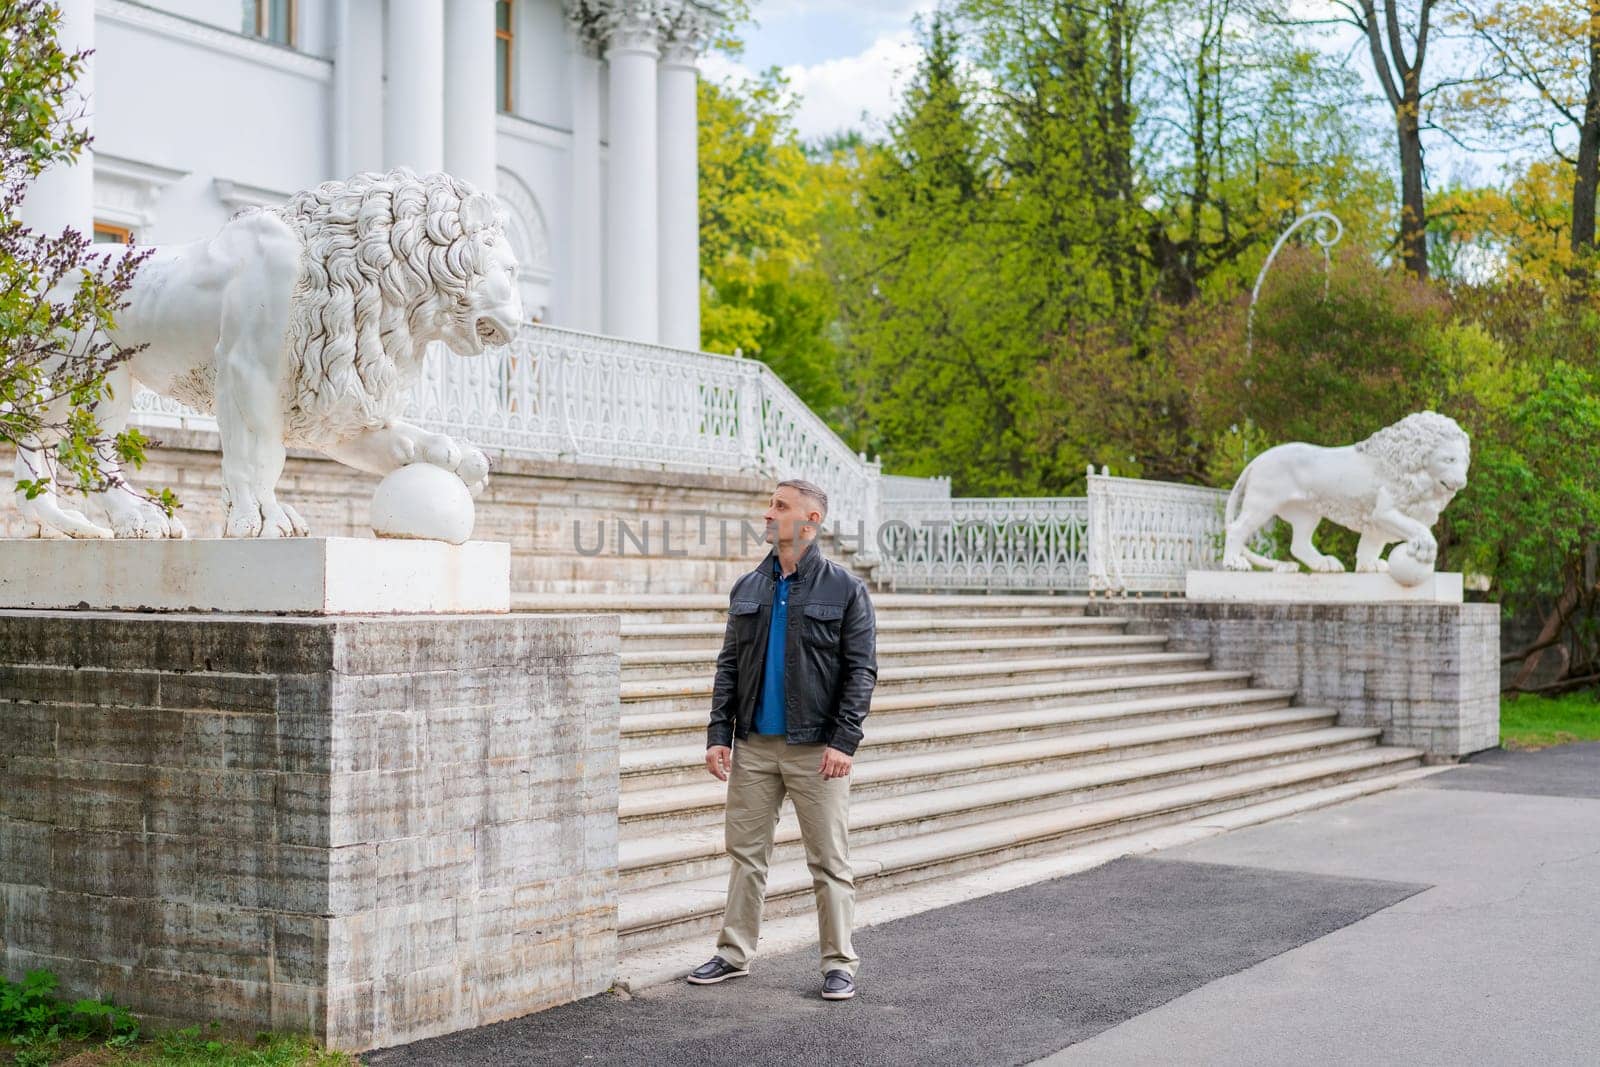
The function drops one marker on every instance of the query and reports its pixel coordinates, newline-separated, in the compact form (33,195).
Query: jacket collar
(810,560)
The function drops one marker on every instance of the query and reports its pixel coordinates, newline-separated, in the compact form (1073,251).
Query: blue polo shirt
(770,716)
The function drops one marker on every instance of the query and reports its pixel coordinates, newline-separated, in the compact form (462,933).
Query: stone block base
(1428,674)
(371,830)
(292,575)
(1304,588)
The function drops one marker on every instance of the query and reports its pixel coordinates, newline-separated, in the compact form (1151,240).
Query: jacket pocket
(823,623)
(745,616)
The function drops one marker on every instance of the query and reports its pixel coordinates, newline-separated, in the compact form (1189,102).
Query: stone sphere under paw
(422,502)
(1406,568)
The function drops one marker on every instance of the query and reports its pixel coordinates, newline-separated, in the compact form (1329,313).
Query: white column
(63,195)
(471,98)
(413,70)
(632,305)
(357,87)
(679,192)
(584,282)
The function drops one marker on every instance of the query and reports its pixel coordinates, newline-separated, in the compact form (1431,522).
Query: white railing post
(750,415)
(1099,535)
(872,509)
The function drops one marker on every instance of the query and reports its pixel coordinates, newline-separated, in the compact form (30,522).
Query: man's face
(786,515)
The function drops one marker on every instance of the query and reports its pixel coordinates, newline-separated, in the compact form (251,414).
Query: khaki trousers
(765,768)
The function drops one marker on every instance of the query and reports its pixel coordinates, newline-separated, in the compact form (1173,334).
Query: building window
(502,53)
(271,19)
(106,233)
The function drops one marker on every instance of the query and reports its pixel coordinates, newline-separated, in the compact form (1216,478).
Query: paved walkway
(1453,922)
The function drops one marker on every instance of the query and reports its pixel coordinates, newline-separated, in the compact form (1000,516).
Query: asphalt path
(1002,979)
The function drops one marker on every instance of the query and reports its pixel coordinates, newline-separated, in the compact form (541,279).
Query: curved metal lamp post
(1329,230)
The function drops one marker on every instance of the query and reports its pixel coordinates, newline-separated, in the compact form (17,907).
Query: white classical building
(579,115)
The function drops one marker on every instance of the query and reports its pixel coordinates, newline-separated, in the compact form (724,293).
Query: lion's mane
(384,256)
(1402,450)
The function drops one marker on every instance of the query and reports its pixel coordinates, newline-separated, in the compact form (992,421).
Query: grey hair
(810,489)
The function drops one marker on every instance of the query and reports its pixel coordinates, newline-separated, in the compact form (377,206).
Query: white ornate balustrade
(1144,535)
(561,394)
(564,395)
(985,542)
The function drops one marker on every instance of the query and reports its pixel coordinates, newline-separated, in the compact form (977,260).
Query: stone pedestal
(1428,674)
(1305,588)
(371,829)
(297,575)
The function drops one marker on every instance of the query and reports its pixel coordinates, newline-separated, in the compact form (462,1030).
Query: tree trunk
(1413,207)
(1586,182)
(1402,86)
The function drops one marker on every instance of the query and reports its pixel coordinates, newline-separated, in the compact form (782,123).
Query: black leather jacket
(830,661)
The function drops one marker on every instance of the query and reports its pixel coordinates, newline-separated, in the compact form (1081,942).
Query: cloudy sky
(844,57)
(848,60)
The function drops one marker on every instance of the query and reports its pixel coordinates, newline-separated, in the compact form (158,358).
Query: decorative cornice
(126,191)
(178,28)
(237,195)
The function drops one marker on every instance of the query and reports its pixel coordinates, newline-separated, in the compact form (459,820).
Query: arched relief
(530,241)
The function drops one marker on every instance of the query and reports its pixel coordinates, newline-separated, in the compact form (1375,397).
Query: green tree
(929,301)
(762,290)
(58,299)
(1539,75)
(1062,182)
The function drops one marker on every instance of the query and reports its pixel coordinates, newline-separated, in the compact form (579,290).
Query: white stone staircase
(1003,729)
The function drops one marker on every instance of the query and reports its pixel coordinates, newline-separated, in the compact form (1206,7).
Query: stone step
(972,749)
(643,725)
(919,794)
(706,607)
(938,805)
(922,628)
(694,691)
(644,966)
(682,909)
(676,855)
(639,665)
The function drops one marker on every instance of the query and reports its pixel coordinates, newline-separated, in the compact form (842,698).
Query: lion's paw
(54,521)
(280,520)
(144,520)
(474,469)
(440,450)
(1423,550)
(252,518)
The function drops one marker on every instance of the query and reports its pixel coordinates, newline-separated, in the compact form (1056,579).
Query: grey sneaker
(838,985)
(715,970)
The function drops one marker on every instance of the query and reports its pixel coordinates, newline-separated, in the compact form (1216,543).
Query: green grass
(38,1028)
(180,1048)
(1529,721)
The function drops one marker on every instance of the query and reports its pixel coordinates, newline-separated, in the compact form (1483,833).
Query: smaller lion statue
(304,325)
(1389,488)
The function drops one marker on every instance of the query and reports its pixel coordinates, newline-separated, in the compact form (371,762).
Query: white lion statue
(305,325)
(1390,487)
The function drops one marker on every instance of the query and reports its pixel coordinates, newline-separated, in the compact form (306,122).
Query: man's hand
(719,761)
(835,764)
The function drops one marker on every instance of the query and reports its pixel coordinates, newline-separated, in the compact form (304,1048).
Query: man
(794,682)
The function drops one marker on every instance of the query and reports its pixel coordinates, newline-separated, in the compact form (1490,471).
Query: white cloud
(836,93)
(850,92)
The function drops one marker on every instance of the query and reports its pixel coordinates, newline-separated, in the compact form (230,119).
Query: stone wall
(1429,674)
(369,829)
